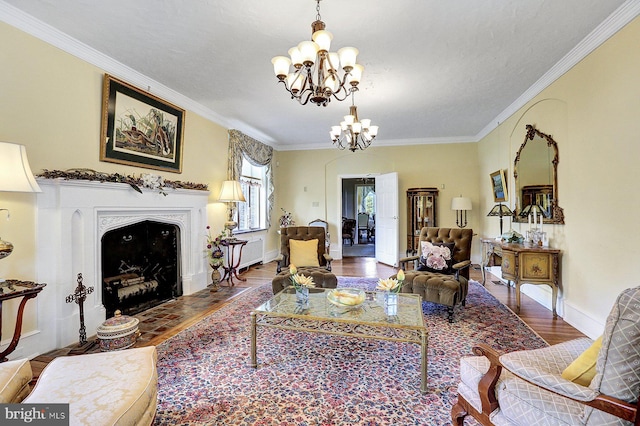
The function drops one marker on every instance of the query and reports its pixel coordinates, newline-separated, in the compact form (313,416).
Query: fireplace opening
(140,267)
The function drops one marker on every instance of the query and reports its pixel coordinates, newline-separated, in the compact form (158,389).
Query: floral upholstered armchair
(579,382)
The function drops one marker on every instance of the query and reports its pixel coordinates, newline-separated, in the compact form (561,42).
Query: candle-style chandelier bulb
(315,75)
(352,133)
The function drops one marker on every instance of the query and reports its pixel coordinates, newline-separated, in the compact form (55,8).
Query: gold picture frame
(140,129)
(499,186)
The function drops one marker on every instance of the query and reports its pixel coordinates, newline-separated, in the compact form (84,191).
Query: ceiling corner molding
(66,43)
(614,23)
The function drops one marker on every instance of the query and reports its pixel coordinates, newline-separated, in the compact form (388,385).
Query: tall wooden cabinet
(421,212)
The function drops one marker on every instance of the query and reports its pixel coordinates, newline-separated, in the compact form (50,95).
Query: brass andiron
(79,296)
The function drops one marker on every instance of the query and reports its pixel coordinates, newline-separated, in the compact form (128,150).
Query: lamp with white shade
(461,205)
(231,193)
(15,176)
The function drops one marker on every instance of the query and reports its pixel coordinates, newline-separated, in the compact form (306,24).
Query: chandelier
(315,69)
(353,133)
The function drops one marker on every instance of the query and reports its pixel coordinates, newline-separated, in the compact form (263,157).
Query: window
(252,214)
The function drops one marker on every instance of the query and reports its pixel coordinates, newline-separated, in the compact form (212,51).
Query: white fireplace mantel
(72,217)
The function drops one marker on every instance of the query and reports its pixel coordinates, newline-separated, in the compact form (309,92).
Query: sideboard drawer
(536,267)
(509,269)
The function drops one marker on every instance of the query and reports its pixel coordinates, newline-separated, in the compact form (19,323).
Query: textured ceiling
(434,70)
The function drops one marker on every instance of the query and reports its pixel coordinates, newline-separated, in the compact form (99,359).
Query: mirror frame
(557,213)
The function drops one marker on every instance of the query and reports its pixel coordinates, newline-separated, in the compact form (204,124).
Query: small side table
(10,289)
(233,262)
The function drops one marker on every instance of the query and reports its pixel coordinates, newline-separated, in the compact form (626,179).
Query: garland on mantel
(145,180)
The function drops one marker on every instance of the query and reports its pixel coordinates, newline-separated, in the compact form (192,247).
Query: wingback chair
(297,246)
(447,287)
(579,382)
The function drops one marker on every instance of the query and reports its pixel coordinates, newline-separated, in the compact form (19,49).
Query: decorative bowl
(346,297)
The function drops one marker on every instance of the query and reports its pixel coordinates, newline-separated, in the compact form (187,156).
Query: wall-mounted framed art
(499,186)
(140,129)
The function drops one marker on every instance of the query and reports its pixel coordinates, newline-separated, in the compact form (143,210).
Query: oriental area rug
(205,377)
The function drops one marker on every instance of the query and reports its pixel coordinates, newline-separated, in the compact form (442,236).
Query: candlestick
(535,217)
(529,219)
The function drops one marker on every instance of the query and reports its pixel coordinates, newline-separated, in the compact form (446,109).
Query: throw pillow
(583,369)
(436,257)
(304,253)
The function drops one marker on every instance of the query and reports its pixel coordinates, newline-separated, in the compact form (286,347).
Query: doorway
(358,217)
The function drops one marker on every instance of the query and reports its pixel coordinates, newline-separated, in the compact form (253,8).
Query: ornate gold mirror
(536,174)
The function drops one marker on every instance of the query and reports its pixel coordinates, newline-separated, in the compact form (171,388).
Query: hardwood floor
(164,321)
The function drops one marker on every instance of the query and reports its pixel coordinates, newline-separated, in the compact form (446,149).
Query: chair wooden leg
(458,413)
(450,311)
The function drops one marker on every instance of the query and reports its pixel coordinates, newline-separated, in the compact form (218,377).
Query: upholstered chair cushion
(304,253)
(108,388)
(14,380)
(436,257)
(302,233)
(460,237)
(321,278)
(544,367)
(583,369)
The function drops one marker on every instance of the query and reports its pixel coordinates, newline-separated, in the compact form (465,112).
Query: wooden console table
(10,289)
(525,264)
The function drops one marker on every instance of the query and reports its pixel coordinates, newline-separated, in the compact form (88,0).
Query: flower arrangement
(286,219)
(152,181)
(298,280)
(214,252)
(393,285)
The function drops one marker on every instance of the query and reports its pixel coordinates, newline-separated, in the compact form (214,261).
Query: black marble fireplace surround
(140,267)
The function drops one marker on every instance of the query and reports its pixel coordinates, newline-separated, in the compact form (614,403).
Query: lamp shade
(500,210)
(461,203)
(15,173)
(231,191)
(530,208)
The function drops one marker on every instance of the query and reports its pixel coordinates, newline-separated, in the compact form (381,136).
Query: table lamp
(15,176)
(461,205)
(500,210)
(231,193)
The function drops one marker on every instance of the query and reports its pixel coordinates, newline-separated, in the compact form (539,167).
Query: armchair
(450,285)
(297,246)
(530,388)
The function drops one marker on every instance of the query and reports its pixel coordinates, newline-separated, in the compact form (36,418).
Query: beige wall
(592,113)
(304,178)
(50,101)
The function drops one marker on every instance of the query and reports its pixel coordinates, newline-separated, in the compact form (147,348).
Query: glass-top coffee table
(401,321)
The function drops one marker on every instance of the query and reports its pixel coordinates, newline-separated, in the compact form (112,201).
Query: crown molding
(614,23)
(27,23)
(381,142)
(45,32)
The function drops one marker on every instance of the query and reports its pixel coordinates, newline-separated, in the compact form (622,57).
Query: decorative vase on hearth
(215,278)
